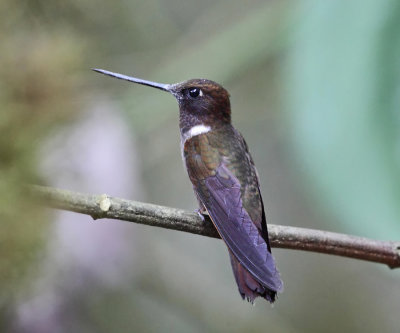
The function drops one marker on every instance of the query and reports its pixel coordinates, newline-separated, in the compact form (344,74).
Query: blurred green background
(315,90)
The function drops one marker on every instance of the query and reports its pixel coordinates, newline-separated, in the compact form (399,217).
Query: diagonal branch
(102,206)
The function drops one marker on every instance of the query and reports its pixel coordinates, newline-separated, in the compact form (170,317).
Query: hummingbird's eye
(195,92)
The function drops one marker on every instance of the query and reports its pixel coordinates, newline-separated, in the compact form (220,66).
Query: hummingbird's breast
(220,151)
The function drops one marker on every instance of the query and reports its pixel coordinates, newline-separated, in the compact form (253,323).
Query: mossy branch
(103,206)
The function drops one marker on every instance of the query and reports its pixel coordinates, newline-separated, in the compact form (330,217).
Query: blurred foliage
(35,96)
(344,82)
(330,162)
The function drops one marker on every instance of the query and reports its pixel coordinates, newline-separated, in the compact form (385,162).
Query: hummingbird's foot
(202,213)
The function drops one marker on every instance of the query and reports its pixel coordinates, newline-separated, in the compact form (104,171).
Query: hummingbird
(225,181)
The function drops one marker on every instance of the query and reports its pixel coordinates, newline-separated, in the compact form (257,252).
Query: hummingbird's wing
(221,197)
(214,171)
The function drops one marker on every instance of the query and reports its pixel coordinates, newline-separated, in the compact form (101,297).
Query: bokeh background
(315,89)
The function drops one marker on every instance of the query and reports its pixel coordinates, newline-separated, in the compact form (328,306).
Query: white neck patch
(197,130)
(194,131)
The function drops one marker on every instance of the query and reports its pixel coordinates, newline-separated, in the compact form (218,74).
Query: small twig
(102,206)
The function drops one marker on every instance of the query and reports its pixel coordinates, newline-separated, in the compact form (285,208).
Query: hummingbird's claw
(201,213)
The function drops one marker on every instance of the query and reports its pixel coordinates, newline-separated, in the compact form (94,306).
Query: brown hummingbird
(224,180)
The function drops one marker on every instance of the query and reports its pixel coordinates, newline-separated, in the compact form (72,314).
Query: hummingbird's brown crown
(196,89)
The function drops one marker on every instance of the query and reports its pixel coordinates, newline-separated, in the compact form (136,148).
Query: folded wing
(221,196)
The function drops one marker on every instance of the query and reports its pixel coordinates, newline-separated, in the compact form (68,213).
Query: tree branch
(102,206)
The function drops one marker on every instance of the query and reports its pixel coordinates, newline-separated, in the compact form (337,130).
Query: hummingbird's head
(200,101)
(203,101)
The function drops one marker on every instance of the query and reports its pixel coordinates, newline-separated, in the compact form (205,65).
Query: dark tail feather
(249,287)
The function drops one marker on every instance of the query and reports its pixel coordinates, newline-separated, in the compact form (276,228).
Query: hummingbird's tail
(249,287)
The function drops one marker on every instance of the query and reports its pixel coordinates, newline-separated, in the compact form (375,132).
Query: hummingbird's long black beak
(162,86)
